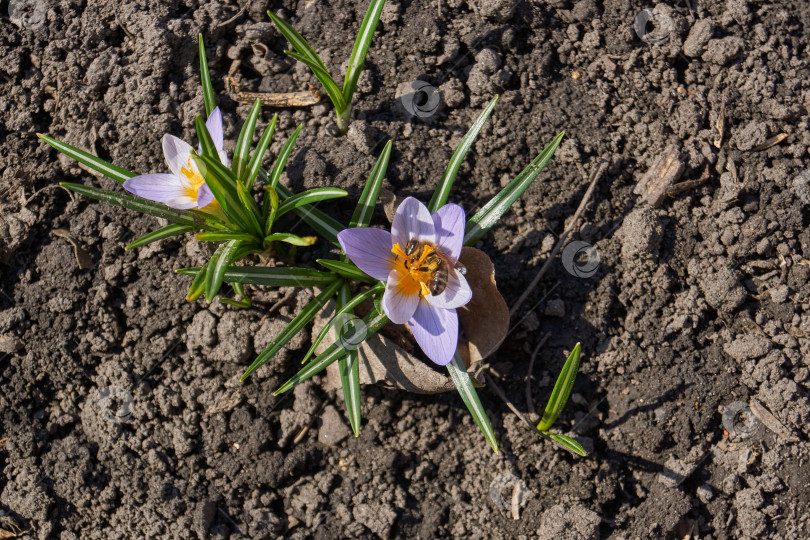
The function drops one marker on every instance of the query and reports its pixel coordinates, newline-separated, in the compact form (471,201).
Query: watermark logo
(419,98)
(739,420)
(801,185)
(580,259)
(28,14)
(508,492)
(115,404)
(350,331)
(652,26)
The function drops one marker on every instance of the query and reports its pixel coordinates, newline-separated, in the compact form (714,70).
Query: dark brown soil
(121,414)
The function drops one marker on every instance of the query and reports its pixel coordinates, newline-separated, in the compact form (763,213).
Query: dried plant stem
(595,176)
(530,375)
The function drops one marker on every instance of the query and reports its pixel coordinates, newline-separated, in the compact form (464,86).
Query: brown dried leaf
(83,258)
(665,172)
(485,319)
(389,202)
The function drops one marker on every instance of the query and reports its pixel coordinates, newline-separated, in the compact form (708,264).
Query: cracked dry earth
(121,414)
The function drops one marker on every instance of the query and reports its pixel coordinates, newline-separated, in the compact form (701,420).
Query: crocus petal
(177,153)
(450,221)
(436,332)
(182,203)
(204,196)
(455,294)
(401,297)
(163,188)
(214,125)
(412,220)
(370,250)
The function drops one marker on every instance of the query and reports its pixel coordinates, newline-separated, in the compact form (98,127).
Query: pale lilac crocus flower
(185,188)
(408,298)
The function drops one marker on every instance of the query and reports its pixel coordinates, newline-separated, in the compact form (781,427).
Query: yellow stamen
(413,281)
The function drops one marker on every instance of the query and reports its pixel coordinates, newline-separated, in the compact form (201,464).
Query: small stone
(10,344)
(333,429)
(358,135)
(723,51)
(705,493)
(748,347)
(641,233)
(779,294)
(698,37)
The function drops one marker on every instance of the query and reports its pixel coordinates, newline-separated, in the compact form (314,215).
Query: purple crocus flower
(414,260)
(185,188)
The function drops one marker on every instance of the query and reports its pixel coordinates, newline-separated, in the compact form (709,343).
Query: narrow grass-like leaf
(487,216)
(298,322)
(308,197)
(258,155)
(96,163)
(223,258)
(289,238)
(297,40)
(251,208)
(143,206)
(164,232)
(568,442)
(347,270)
(562,390)
(279,276)
(374,321)
(442,191)
(206,141)
(326,80)
(197,287)
(361,45)
(347,307)
(222,184)
(368,199)
(205,79)
(325,225)
(281,160)
(224,236)
(349,368)
(242,152)
(466,389)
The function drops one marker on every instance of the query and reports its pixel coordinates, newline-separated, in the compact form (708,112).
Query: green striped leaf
(442,191)
(258,155)
(308,197)
(568,443)
(205,79)
(346,308)
(243,143)
(347,270)
(466,389)
(297,40)
(562,390)
(197,287)
(487,216)
(96,163)
(218,178)
(349,368)
(373,321)
(222,259)
(361,45)
(279,276)
(160,234)
(368,199)
(298,322)
(130,202)
(224,236)
(323,76)
(293,239)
